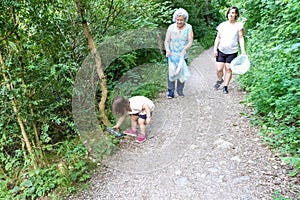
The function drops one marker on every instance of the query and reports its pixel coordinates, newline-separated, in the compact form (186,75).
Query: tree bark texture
(16,111)
(93,50)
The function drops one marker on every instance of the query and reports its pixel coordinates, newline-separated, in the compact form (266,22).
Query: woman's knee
(220,67)
(228,71)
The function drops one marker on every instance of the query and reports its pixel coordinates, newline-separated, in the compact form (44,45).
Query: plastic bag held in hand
(180,72)
(240,65)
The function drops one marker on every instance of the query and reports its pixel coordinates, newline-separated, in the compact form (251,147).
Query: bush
(273,80)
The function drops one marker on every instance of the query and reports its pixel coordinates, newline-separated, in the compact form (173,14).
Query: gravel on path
(199,147)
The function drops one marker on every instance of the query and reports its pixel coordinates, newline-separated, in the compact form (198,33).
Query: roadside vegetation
(274,79)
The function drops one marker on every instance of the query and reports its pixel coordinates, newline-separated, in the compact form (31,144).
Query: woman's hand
(215,53)
(168,53)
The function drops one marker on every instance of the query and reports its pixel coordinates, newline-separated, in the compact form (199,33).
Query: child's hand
(148,120)
(116,127)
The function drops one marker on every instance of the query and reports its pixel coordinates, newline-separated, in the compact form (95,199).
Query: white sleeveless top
(229,34)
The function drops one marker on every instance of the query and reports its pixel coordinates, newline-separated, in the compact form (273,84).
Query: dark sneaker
(170,97)
(225,90)
(218,84)
(130,132)
(180,94)
(141,138)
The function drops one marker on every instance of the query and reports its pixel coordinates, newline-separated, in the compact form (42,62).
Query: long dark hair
(236,11)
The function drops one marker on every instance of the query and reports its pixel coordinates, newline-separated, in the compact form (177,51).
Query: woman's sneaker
(218,84)
(130,132)
(141,138)
(225,90)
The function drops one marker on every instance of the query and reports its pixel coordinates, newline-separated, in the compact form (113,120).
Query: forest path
(199,147)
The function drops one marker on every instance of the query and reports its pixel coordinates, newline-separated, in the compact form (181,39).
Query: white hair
(181,12)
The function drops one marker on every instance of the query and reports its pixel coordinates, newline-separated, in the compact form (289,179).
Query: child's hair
(119,105)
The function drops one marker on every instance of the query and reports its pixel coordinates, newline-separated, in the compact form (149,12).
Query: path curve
(199,148)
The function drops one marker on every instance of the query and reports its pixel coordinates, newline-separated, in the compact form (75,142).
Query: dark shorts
(143,116)
(225,58)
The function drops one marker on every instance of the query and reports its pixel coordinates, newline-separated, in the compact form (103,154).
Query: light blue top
(178,40)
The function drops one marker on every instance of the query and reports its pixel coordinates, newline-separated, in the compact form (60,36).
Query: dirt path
(199,148)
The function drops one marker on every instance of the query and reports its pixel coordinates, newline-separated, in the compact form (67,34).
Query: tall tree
(94,52)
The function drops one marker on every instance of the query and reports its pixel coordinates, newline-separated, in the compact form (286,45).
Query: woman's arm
(242,41)
(167,42)
(216,44)
(190,41)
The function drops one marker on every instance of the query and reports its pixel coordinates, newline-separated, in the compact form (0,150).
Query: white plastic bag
(172,70)
(240,65)
(180,72)
(184,73)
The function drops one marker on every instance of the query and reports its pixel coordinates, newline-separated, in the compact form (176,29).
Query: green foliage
(273,80)
(115,17)
(69,167)
(37,183)
(146,80)
(75,161)
(293,161)
(150,90)
(277,196)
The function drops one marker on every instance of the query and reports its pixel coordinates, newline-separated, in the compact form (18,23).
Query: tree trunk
(91,44)
(16,111)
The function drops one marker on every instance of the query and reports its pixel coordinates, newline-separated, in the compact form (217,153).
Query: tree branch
(100,72)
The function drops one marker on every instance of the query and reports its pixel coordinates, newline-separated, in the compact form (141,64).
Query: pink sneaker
(141,138)
(130,132)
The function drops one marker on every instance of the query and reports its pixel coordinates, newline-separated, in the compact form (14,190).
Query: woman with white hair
(179,38)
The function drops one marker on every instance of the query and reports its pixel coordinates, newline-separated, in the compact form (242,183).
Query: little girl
(140,109)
